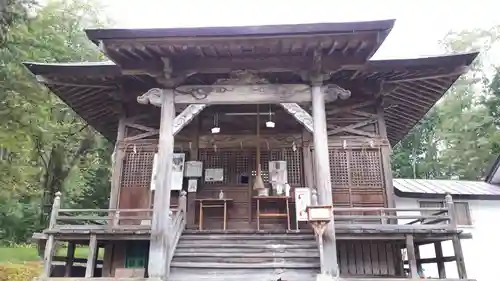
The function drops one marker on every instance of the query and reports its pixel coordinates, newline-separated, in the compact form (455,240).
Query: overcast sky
(420,24)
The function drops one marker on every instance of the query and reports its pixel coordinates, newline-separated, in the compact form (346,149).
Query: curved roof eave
(399,121)
(229,31)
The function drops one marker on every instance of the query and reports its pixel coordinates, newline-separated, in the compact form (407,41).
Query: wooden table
(212,203)
(267,199)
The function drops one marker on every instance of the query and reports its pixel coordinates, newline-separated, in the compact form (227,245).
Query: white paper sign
(177,171)
(192,185)
(302,200)
(194,169)
(212,175)
(155,172)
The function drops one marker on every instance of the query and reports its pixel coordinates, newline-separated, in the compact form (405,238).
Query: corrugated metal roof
(454,187)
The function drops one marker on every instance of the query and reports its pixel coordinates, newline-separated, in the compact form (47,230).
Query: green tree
(44,141)
(458,136)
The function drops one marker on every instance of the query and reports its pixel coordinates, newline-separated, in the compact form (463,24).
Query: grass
(23,254)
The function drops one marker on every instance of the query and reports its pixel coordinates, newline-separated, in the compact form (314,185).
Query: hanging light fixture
(270,123)
(216,128)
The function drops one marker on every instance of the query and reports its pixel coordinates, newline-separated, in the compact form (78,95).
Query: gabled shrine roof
(99,91)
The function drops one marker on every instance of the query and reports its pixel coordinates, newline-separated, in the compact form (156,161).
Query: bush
(20,272)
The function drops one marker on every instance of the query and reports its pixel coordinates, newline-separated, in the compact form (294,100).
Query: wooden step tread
(247,237)
(273,265)
(249,255)
(254,246)
(247,231)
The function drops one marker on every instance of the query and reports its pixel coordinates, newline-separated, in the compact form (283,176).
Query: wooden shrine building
(223,136)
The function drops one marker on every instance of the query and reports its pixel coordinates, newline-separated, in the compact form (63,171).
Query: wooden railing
(95,220)
(111,218)
(177,226)
(439,217)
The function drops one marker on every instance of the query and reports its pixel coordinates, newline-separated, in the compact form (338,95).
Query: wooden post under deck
(70,256)
(412,258)
(91,258)
(323,180)
(438,248)
(159,248)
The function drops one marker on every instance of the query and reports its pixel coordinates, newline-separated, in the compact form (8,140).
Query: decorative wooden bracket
(300,114)
(186,116)
(180,121)
(153,96)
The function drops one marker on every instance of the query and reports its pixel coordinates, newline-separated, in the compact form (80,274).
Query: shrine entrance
(247,147)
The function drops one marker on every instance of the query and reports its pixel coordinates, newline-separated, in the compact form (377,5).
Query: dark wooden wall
(369,258)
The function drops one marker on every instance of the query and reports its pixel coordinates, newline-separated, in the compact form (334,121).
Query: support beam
(70,256)
(412,258)
(191,196)
(186,116)
(159,248)
(459,256)
(180,121)
(323,181)
(244,94)
(117,166)
(91,258)
(438,249)
(300,114)
(386,160)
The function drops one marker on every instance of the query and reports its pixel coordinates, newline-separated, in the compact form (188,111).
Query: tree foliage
(460,135)
(45,146)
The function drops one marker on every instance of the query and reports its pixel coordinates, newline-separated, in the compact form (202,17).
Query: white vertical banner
(302,200)
(177,171)
(154,172)
(178,160)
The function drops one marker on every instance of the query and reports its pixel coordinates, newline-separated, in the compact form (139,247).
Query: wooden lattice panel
(293,164)
(138,166)
(339,170)
(357,179)
(365,168)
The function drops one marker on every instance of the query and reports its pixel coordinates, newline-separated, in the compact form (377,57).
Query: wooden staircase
(254,256)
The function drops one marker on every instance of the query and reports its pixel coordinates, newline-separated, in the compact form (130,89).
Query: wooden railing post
(457,245)
(50,244)
(182,201)
(314,197)
(116,218)
(451,211)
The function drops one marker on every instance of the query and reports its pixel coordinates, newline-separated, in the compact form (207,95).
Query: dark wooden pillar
(92,256)
(385,150)
(438,249)
(159,248)
(191,196)
(70,256)
(323,180)
(459,257)
(412,258)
